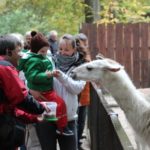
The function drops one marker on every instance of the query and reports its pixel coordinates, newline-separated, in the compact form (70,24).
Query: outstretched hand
(56,73)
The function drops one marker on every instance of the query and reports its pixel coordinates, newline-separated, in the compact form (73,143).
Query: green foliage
(124,11)
(65,16)
(16,21)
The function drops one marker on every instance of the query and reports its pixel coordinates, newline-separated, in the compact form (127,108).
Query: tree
(65,16)
(115,11)
(92,10)
(23,15)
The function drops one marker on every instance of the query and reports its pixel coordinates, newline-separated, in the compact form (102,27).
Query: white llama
(112,75)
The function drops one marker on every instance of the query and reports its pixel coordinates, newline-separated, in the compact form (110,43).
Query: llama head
(96,70)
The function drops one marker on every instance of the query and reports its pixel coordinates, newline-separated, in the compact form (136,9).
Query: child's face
(43,51)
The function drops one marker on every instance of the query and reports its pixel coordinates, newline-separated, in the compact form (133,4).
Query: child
(38,70)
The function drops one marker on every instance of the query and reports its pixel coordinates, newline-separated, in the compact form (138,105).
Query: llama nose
(73,75)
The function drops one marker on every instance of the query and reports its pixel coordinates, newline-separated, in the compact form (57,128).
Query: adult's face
(65,48)
(15,56)
(54,37)
(28,39)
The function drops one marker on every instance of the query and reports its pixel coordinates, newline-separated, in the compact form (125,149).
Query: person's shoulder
(5,63)
(31,58)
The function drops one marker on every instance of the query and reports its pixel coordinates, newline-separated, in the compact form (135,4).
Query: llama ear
(113,69)
(100,56)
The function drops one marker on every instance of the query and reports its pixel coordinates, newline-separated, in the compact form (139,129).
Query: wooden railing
(106,132)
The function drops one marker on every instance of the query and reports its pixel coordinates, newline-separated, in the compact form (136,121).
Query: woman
(67,88)
(84,97)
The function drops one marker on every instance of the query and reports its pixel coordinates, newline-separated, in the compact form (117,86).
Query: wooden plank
(89,34)
(119,43)
(125,142)
(102,39)
(127,52)
(149,37)
(111,41)
(83,28)
(144,55)
(88,31)
(149,52)
(94,41)
(136,55)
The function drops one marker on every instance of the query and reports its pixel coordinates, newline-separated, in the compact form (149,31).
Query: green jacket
(34,67)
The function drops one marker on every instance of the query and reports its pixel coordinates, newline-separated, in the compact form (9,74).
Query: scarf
(64,63)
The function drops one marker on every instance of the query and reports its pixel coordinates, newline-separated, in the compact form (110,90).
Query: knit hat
(38,41)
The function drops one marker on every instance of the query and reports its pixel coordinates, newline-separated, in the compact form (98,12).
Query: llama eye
(89,68)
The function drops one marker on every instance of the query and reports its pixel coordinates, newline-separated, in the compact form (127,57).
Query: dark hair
(80,36)
(8,42)
(71,38)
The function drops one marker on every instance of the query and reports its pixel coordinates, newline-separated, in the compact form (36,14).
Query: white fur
(112,75)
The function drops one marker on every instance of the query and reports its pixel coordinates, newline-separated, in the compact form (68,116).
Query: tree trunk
(92,11)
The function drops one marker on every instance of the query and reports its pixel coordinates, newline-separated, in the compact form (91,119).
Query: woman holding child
(68,89)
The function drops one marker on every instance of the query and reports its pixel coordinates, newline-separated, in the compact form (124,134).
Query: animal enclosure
(105,129)
(129,44)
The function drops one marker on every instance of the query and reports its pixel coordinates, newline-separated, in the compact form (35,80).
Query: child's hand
(49,73)
(56,73)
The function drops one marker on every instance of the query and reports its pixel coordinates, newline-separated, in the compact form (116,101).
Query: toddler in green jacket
(38,70)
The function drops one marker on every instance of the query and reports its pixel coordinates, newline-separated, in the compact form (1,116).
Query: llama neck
(125,93)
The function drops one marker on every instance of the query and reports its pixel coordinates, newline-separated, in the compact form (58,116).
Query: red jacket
(25,117)
(11,84)
(15,92)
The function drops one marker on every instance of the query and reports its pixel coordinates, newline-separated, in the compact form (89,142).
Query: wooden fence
(106,132)
(129,44)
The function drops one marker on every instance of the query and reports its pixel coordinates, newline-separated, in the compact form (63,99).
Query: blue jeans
(46,132)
